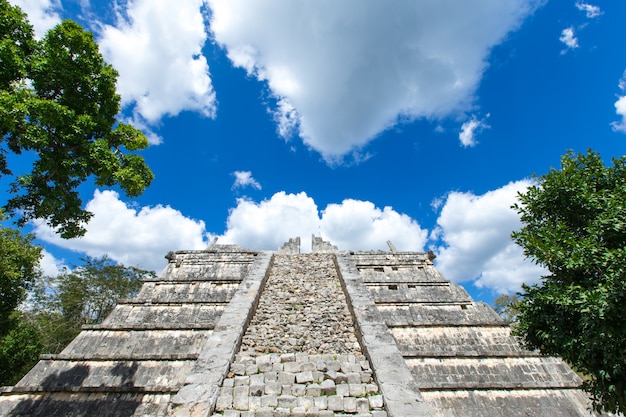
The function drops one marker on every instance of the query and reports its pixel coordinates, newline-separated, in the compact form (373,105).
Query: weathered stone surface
(302,309)
(367,334)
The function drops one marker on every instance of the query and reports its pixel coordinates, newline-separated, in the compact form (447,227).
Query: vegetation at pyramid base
(58,103)
(574,224)
(19,268)
(59,306)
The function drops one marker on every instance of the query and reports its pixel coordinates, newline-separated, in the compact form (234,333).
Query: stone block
(241,397)
(343,390)
(308,366)
(306,402)
(287,401)
(285,378)
(298,390)
(321,402)
(252,369)
(273,388)
(362,405)
(349,405)
(354,378)
(357,390)
(270,400)
(312,412)
(313,390)
(282,412)
(328,387)
(254,403)
(293,367)
(376,401)
(298,412)
(304,377)
(264,412)
(241,380)
(288,357)
(224,402)
(335,403)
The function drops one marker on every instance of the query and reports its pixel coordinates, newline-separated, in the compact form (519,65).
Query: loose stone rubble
(300,354)
(302,309)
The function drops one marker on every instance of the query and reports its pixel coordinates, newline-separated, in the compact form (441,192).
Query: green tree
(84,295)
(19,266)
(58,103)
(19,348)
(506,307)
(574,224)
(19,269)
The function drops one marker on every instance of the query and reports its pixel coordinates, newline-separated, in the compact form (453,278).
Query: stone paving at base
(299,358)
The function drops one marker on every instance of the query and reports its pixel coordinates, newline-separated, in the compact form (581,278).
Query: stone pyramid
(232,332)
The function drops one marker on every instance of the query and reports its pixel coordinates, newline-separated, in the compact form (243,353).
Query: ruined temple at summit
(232,332)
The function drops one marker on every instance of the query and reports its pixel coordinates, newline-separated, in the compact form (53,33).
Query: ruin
(238,333)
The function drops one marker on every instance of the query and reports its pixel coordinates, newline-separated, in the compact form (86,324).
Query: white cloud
(472,238)
(131,236)
(568,38)
(51,266)
(591,11)
(245,179)
(157,48)
(470,129)
(343,72)
(360,225)
(620,107)
(270,223)
(353,224)
(476,243)
(42,14)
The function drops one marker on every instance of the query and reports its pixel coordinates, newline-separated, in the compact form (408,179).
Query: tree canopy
(58,102)
(83,295)
(19,267)
(57,309)
(574,224)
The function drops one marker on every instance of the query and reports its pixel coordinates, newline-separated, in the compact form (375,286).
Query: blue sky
(362,122)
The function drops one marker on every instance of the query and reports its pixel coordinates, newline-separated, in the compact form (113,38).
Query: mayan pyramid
(232,332)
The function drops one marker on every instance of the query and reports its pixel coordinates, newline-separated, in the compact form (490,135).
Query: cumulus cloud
(569,39)
(270,223)
(471,238)
(352,224)
(51,266)
(157,48)
(470,129)
(343,72)
(590,10)
(42,14)
(245,179)
(474,231)
(140,237)
(620,107)
(360,225)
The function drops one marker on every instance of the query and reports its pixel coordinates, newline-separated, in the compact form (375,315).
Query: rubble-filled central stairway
(300,355)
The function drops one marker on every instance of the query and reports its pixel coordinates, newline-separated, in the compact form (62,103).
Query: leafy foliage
(575,225)
(19,348)
(85,295)
(58,101)
(506,307)
(19,266)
